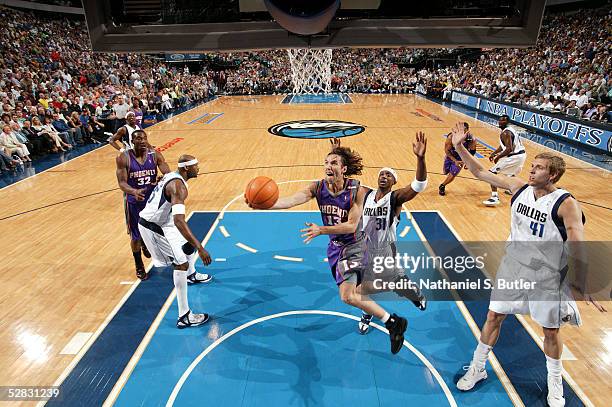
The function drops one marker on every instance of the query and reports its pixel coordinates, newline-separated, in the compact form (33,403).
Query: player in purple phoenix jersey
(137,176)
(340,201)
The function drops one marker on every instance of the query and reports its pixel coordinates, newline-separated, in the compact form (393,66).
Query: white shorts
(509,166)
(166,249)
(550,305)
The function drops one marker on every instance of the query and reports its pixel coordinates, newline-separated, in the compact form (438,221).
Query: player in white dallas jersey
(381,215)
(165,232)
(509,157)
(124,133)
(543,219)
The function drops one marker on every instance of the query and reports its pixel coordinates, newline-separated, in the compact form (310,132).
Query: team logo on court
(316,129)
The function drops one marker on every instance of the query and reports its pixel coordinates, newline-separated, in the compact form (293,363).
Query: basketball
(261,193)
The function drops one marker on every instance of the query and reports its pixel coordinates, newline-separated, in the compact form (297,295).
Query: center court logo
(316,129)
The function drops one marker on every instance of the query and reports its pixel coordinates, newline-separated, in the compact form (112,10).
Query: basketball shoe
(471,377)
(396,326)
(189,320)
(197,278)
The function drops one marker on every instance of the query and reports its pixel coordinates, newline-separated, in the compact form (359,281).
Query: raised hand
(335,142)
(458,134)
(419,146)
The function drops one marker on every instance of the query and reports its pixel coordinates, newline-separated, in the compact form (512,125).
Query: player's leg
(193,277)
(171,244)
(394,323)
(451,170)
(488,338)
(132,212)
(553,346)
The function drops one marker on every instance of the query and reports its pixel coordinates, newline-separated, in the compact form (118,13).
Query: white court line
(495,365)
(326,260)
(245,247)
(220,259)
(224,231)
(76,343)
(127,372)
(405,231)
(583,397)
(127,282)
(212,346)
(296,259)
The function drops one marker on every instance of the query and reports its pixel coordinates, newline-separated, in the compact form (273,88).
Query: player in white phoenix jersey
(509,157)
(381,215)
(543,219)
(164,230)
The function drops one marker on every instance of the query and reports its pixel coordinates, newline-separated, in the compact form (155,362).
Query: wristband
(418,186)
(178,209)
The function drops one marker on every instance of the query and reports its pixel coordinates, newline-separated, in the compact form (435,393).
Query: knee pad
(188,249)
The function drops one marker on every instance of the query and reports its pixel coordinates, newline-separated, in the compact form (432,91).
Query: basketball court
(74,315)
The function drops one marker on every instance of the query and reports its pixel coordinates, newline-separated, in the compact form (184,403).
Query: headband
(188,163)
(391,170)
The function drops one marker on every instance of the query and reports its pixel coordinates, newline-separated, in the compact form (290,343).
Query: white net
(310,70)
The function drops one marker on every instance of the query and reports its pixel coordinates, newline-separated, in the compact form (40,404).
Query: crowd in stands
(55,93)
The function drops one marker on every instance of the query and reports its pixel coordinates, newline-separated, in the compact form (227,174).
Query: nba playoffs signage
(589,133)
(316,129)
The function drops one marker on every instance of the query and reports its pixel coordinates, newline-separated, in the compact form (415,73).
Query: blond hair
(556,165)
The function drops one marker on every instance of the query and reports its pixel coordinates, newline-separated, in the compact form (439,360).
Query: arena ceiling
(231,25)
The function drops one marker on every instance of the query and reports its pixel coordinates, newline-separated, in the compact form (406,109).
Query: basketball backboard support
(217,25)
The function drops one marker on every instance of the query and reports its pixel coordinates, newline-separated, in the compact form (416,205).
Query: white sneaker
(190,319)
(471,377)
(555,392)
(197,278)
(493,201)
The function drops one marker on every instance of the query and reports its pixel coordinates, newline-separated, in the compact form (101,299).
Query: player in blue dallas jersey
(340,201)
(137,176)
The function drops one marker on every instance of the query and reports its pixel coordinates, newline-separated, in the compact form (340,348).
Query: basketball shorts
(132,215)
(347,261)
(450,167)
(509,166)
(375,267)
(548,298)
(164,242)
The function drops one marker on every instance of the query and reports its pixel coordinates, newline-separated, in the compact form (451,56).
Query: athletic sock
(192,261)
(385,317)
(180,283)
(138,259)
(481,353)
(554,367)
(494,195)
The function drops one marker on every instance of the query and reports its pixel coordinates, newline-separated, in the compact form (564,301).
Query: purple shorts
(450,167)
(132,215)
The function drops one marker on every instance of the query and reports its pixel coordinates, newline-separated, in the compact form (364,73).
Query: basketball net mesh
(310,70)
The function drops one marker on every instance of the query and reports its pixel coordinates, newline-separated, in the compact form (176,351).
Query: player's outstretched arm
(122,178)
(472,164)
(178,193)
(163,166)
(419,148)
(116,139)
(570,213)
(350,226)
(296,199)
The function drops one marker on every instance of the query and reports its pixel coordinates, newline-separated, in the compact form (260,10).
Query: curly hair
(350,158)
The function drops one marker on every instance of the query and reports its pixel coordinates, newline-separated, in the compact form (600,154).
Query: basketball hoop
(310,70)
